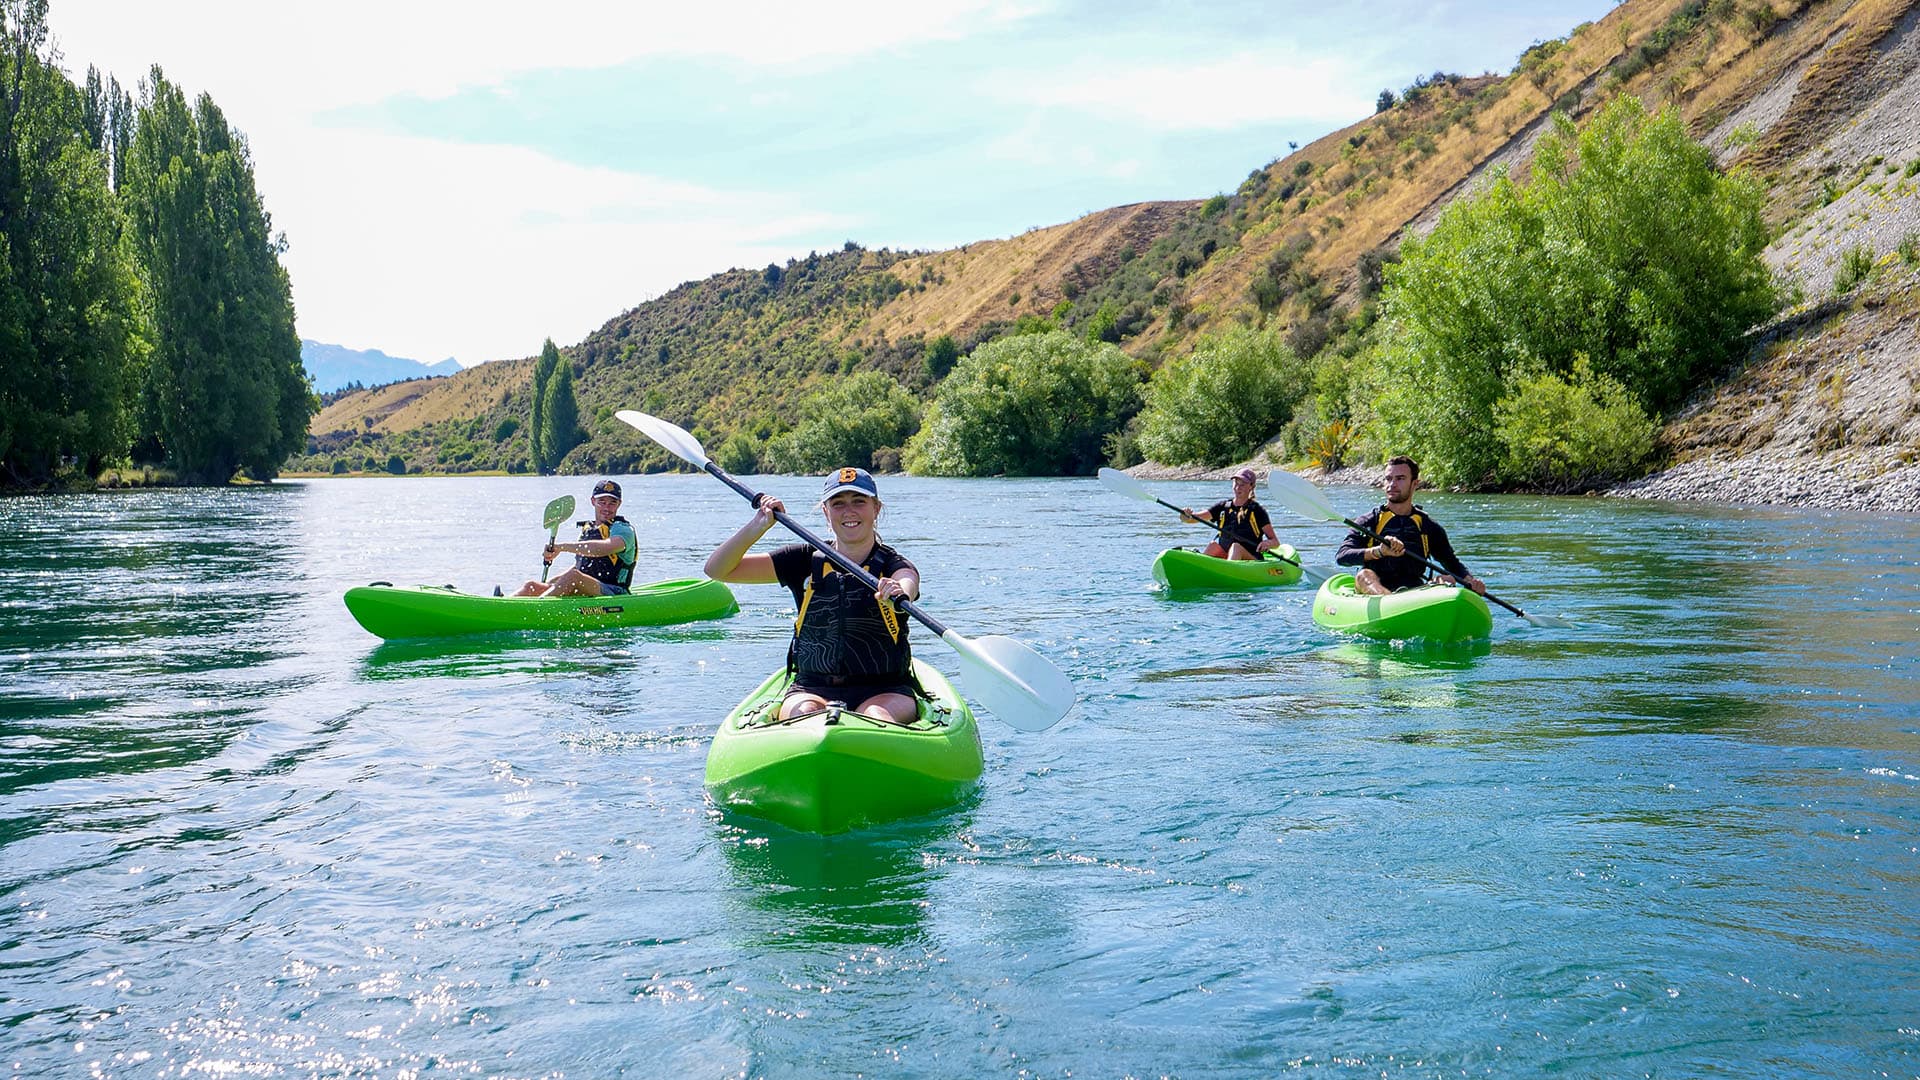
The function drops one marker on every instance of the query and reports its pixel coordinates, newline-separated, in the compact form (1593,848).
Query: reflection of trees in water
(124,659)
(864,888)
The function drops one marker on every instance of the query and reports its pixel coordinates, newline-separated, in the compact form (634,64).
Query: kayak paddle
(1122,484)
(1012,681)
(1310,502)
(557,511)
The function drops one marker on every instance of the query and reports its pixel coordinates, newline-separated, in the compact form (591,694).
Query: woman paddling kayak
(1245,530)
(849,643)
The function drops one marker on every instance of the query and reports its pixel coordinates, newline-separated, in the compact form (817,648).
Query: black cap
(606,487)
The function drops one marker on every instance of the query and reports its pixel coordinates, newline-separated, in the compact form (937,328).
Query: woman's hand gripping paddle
(1121,484)
(1310,502)
(557,511)
(1006,677)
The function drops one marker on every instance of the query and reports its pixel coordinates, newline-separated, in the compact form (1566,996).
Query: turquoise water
(239,836)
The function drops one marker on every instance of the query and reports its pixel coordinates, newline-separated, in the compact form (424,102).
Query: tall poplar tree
(561,414)
(226,389)
(70,326)
(543,369)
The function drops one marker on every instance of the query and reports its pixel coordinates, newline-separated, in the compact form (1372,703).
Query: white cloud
(1044,146)
(349,51)
(485,251)
(1239,90)
(426,249)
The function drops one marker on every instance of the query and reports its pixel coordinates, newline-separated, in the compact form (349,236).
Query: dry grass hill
(1821,97)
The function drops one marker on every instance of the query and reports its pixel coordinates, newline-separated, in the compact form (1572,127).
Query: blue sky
(469,180)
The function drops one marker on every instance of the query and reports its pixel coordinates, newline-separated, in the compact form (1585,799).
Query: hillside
(1818,95)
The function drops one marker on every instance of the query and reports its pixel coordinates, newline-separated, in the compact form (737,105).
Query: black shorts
(853,694)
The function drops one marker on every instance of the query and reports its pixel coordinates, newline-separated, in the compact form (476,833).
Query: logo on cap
(606,487)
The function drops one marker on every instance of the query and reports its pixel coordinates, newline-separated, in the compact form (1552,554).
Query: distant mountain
(335,366)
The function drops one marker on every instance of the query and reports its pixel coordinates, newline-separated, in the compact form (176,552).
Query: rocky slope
(1825,413)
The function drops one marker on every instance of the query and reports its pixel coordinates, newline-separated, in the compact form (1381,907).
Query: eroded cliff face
(1826,413)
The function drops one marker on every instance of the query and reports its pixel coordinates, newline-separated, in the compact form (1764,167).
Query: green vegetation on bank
(145,318)
(1028,405)
(1599,295)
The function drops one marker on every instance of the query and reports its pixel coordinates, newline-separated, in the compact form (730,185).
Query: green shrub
(1910,249)
(1629,248)
(1329,446)
(505,428)
(1565,433)
(942,353)
(1215,405)
(1031,405)
(844,424)
(339,466)
(1856,266)
(739,454)
(397,465)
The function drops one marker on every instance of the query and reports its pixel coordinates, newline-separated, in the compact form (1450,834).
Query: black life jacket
(1406,570)
(1237,525)
(607,568)
(1419,525)
(842,635)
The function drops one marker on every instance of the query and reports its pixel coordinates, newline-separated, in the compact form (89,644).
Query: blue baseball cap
(849,479)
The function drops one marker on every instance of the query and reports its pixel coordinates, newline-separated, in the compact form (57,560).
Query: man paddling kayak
(1245,530)
(1392,566)
(603,557)
(849,643)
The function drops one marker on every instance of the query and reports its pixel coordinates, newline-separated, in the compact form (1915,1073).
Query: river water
(241,837)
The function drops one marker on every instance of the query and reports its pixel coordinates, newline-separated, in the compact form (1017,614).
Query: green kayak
(1435,613)
(1181,568)
(833,771)
(427,611)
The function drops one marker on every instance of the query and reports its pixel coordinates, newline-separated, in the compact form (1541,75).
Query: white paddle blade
(684,446)
(1301,496)
(557,511)
(1011,681)
(1549,622)
(1121,484)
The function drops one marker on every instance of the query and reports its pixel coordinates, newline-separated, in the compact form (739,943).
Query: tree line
(145,316)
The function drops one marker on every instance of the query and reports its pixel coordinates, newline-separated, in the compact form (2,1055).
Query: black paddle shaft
(1363,529)
(848,565)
